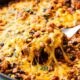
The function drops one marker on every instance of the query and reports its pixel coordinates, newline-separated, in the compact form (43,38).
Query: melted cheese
(27,24)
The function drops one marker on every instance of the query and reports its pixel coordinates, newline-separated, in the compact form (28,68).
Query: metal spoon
(69,32)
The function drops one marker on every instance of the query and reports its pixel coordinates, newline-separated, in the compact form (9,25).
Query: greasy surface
(32,47)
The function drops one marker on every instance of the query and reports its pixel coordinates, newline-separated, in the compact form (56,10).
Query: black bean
(20,71)
(9,66)
(51,7)
(30,12)
(55,1)
(13,65)
(75,43)
(25,51)
(65,40)
(46,16)
(68,3)
(18,77)
(0,60)
(44,9)
(58,53)
(68,48)
(43,56)
(72,57)
(35,61)
(49,41)
(32,32)
(1,44)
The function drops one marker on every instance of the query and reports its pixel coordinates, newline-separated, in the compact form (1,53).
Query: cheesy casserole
(32,46)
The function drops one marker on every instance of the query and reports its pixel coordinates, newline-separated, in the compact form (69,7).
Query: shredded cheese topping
(29,35)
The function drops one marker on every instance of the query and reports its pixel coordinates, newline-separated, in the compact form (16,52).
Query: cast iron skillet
(4,2)
(3,76)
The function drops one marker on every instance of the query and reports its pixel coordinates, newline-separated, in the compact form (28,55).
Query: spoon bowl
(69,32)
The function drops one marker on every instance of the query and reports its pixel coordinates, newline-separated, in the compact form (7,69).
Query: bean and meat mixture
(32,45)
